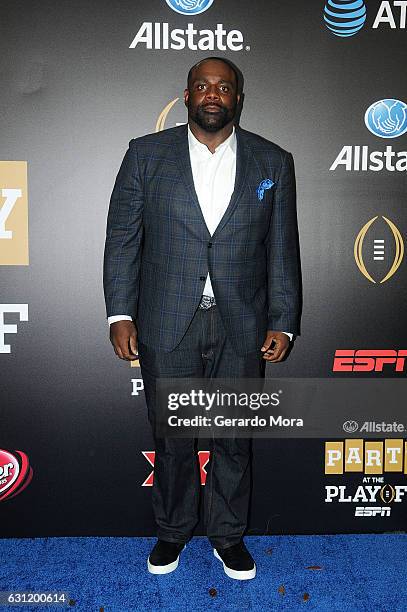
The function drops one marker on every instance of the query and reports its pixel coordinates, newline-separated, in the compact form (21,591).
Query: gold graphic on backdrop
(398,256)
(13,213)
(387,493)
(374,455)
(368,456)
(393,450)
(160,125)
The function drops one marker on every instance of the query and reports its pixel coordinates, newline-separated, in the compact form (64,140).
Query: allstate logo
(189,7)
(350,426)
(344,18)
(387,118)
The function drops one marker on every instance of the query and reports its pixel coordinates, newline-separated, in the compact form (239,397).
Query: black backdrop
(73,94)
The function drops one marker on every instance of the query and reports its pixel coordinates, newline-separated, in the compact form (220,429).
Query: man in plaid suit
(202,279)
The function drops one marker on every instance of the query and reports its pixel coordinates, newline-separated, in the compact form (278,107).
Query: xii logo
(13,213)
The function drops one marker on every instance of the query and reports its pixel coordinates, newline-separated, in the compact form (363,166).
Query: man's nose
(212,93)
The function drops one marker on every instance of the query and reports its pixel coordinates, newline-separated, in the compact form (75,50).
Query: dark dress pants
(204,351)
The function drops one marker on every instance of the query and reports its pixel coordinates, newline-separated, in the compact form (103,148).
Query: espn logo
(370,457)
(368,360)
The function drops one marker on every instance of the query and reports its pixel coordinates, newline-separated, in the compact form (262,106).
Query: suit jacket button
(209,245)
(202,277)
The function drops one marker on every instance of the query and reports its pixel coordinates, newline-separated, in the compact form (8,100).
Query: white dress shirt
(214,180)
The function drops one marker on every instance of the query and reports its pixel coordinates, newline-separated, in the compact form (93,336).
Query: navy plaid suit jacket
(159,250)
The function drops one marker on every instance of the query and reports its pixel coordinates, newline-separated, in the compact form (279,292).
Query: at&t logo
(343,17)
(189,7)
(387,118)
(160,36)
(391,14)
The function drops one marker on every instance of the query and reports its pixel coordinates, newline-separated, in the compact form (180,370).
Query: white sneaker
(237,561)
(164,557)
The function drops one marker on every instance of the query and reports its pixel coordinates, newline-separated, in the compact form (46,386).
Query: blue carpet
(352,573)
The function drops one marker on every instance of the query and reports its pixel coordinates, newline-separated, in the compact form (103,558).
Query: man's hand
(123,336)
(279,348)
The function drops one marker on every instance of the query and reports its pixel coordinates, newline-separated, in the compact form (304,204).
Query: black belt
(207,301)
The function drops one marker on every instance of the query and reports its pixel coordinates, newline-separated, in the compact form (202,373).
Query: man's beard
(209,121)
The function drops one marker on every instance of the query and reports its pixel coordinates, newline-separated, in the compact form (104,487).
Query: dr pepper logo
(15,473)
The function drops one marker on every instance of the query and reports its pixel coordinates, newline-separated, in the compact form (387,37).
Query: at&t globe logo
(343,17)
(189,7)
(387,118)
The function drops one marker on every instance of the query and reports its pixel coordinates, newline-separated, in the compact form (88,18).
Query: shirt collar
(195,144)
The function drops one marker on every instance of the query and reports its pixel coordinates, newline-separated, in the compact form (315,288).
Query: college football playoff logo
(379,250)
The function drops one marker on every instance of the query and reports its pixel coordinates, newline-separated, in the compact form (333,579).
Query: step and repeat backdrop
(79,79)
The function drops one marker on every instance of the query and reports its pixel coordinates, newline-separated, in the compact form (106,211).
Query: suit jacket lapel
(184,164)
(242,165)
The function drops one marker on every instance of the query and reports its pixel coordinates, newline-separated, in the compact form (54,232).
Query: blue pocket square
(263,185)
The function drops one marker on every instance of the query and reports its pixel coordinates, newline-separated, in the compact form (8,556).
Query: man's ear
(186,97)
